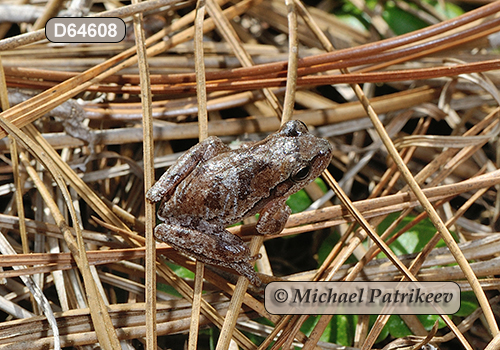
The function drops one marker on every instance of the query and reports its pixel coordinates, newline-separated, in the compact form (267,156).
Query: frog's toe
(161,233)
(255,257)
(246,270)
(154,195)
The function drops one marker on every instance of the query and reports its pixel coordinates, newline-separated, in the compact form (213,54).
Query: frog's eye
(302,174)
(294,128)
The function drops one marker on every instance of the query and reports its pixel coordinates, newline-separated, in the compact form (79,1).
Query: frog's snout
(326,149)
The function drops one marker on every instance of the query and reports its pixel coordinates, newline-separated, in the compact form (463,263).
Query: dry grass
(418,138)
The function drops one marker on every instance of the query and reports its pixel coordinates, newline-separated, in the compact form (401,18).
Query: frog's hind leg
(219,248)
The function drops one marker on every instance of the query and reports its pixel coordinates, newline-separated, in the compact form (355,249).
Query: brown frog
(212,186)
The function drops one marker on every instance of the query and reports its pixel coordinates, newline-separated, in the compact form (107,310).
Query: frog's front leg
(210,246)
(273,217)
(202,151)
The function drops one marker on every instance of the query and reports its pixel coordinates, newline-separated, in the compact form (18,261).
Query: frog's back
(224,189)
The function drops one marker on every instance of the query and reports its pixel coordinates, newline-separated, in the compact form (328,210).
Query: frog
(212,186)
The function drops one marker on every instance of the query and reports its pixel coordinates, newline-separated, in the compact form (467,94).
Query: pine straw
(96,221)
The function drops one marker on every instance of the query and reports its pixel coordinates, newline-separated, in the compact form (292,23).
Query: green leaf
(343,329)
(397,328)
(308,325)
(353,21)
(450,10)
(299,201)
(179,271)
(401,22)
(468,304)
(385,331)
(340,329)
(321,184)
(328,331)
(429,320)
(414,240)
(168,289)
(326,246)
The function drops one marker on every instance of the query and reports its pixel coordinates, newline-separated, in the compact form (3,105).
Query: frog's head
(305,156)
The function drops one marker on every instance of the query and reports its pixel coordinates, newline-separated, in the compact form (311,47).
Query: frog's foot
(219,248)
(244,268)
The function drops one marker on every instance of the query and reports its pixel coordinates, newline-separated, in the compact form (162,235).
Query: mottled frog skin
(211,187)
